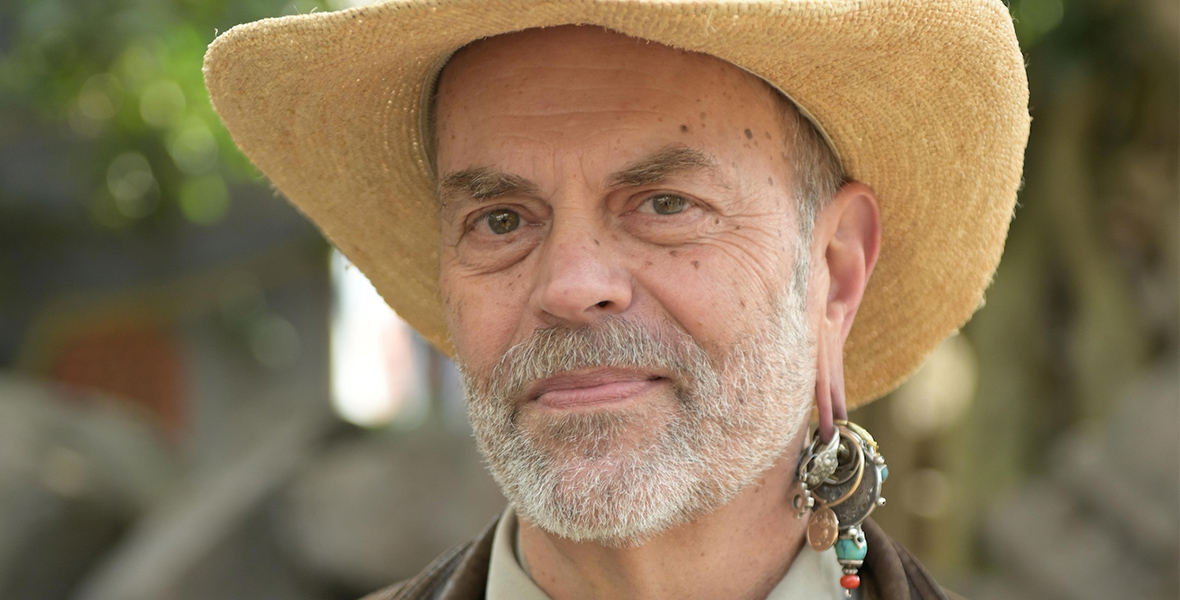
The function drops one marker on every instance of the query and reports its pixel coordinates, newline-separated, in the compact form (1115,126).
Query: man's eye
(502,221)
(665,204)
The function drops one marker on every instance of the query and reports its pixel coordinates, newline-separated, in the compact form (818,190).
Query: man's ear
(845,242)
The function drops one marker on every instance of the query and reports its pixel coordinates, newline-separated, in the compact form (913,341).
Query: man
(644,231)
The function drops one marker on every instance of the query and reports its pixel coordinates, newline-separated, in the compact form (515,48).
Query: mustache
(611,341)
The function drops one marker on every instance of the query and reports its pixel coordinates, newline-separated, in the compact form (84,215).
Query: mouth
(594,388)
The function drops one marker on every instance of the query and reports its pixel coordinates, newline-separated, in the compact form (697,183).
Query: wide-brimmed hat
(926,101)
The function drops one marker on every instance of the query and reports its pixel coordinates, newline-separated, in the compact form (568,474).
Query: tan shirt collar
(813,575)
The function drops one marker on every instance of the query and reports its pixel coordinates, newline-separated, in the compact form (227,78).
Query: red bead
(850,582)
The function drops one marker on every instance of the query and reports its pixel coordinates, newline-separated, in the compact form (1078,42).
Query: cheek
(483,313)
(714,297)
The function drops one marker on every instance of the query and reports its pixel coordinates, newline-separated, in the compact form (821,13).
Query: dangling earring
(816,464)
(841,482)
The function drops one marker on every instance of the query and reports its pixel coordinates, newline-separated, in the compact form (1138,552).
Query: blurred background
(198,399)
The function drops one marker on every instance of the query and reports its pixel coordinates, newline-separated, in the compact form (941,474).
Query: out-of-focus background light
(375,377)
(940,393)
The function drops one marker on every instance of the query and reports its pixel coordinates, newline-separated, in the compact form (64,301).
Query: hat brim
(926,102)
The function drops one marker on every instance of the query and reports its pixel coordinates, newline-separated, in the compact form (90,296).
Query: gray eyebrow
(483,183)
(661,165)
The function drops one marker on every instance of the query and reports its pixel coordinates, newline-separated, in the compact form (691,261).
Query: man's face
(618,247)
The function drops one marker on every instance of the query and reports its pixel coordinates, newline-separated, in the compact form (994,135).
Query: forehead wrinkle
(612,113)
(661,165)
(586,79)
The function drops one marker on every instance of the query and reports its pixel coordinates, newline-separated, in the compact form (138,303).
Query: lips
(592,389)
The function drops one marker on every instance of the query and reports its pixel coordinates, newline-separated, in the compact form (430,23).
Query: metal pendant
(822,529)
(846,478)
(857,506)
(819,461)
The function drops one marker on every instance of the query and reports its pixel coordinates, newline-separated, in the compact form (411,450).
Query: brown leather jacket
(889,572)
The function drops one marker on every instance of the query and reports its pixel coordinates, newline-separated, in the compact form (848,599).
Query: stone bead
(848,550)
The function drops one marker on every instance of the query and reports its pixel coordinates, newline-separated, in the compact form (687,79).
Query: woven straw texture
(924,100)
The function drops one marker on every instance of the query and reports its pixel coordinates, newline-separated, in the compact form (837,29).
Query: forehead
(583,49)
(569,82)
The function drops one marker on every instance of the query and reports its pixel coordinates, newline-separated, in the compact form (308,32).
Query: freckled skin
(563,108)
(584,247)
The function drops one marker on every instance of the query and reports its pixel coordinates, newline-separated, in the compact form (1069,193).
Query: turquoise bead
(884,473)
(848,550)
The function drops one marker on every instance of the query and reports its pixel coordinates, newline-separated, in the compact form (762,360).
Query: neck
(740,551)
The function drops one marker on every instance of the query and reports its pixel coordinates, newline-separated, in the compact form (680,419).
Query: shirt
(813,575)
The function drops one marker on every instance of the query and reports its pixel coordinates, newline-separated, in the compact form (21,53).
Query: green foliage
(123,77)
(1034,18)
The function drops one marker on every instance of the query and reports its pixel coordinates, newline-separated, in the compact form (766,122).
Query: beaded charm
(851,550)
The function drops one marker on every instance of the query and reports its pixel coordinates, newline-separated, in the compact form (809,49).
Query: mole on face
(749,135)
(684,128)
(674,252)
(770,181)
(696,264)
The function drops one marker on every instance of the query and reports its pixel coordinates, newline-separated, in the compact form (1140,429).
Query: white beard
(619,477)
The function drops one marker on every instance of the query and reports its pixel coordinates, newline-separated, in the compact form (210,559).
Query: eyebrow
(663,164)
(483,183)
(486,183)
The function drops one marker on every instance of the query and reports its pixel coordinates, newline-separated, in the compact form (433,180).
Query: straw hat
(924,100)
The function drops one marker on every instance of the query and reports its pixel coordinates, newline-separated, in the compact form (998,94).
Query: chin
(609,477)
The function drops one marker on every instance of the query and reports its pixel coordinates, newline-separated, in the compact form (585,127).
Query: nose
(581,277)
